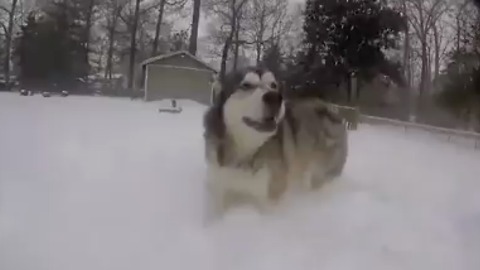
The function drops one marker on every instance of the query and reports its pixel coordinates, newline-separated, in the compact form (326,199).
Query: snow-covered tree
(345,38)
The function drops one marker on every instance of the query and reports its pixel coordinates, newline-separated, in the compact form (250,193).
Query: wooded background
(402,59)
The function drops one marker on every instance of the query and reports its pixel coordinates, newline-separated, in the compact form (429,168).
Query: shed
(177,75)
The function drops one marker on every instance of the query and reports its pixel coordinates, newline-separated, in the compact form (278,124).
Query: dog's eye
(273,85)
(247,85)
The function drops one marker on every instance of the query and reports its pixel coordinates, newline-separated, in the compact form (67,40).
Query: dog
(258,143)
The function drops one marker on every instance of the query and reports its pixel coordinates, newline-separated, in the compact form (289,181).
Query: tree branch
(5,29)
(9,12)
(415,25)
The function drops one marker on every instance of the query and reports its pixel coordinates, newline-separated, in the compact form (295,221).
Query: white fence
(450,134)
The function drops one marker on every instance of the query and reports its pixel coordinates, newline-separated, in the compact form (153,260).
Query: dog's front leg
(277,186)
(260,189)
(318,178)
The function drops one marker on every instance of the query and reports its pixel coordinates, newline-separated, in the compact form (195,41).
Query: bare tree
(88,26)
(442,42)
(227,14)
(459,23)
(407,54)
(163,4)
(422,17)
(216,38)
(8,31)
(293,30)
(267,21)
(161,10)
(464,16)
(133,45)
(237,40)
(112,10)
(192,47)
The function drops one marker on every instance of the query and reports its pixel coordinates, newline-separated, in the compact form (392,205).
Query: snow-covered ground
(91,183)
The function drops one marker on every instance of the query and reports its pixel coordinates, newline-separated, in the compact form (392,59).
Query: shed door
(180,83)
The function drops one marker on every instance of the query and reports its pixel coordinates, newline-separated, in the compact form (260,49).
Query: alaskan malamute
(258,143)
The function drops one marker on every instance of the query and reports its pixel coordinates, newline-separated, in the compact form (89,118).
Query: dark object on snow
(46,94)
(64,93)
(24,92)
(172,109)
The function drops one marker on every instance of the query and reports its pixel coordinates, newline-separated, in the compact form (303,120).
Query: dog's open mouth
(268,124)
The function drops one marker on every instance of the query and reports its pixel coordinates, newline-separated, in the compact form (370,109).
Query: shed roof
(173,54)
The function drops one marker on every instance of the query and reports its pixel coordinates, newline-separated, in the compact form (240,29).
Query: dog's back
(318,143)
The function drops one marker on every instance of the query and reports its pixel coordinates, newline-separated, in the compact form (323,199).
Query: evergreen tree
(36,51)
(345,37)
(461,79)
(70,18)
(50,48)
(273,58)
(461,87)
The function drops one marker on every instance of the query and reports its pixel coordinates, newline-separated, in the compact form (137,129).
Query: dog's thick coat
(308,142)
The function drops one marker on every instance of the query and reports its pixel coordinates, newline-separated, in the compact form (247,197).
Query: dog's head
(248,107)
(252,99)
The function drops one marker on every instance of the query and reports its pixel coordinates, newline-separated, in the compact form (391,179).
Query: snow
(102,183)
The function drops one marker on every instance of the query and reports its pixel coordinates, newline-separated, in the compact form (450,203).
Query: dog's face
(254,101)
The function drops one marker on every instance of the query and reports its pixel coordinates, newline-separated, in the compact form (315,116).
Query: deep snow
(92,183)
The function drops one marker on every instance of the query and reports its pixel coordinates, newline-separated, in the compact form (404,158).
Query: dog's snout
(272,99)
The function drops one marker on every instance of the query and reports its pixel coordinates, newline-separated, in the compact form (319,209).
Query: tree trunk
(429,71)
(8,41)
(359,88)
(472,121)
(133,47)
(228,42)
(111,41)
(423,37)
(408,73)
(261,32)
(349,78)
(458,33)
(156,39)
(407,50)
(88,27)
(235,16)
(141,43)
(226,49)
(259,53)
(437,45)
(236,47)
(192,47)
(423,75)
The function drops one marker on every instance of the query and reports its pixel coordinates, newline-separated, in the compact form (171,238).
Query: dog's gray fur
(311,139)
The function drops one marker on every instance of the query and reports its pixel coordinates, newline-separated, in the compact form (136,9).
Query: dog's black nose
(272,99)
